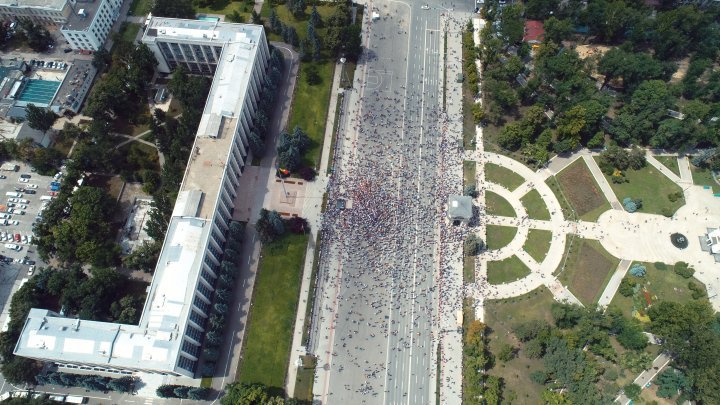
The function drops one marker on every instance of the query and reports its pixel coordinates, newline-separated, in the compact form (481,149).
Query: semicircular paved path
(540,273)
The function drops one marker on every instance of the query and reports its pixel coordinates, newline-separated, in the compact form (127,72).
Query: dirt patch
(580,189)
(681,70)
(586,51)
(588,273)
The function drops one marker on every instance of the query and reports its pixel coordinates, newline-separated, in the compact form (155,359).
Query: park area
(652,187)
(578,188)
(703,177)
(271,320)
(495,204)
(587,269)
(500,316)
(660,283)
(499,236)
(503,176)
(506,271)
(537,244)
(535,206)
(671,162)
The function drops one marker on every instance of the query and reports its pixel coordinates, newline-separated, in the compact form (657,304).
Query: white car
(32,186)
(21,180)
(25,239)
(13,246)
(22,206)
(425,7)
(14,222)
(22,201)
(14,200)
(31,270)
(19,212)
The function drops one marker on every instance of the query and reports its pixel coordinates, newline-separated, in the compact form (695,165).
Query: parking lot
(25,209)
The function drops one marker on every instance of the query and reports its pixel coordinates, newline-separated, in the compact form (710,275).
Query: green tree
(173,9)
(632,391)
(506,353)
(512,24)
(244,393)
(557,30)
(40,118)
(473,245)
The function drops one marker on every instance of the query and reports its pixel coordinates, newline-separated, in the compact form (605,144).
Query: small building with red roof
(534,32)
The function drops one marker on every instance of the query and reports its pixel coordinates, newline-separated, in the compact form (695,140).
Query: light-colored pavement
(660,362)
(614,283)
(661,167)
(602,182)
(312,213)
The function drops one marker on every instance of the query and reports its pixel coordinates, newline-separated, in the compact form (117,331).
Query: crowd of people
(386,274)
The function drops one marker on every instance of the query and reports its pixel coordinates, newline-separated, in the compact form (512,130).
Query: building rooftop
(460,206)
(205,31)
(82,15)
(206,169)
(155,342)
(534,32)
(51,4)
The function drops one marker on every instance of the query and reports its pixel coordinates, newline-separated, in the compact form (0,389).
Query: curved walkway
(541,273)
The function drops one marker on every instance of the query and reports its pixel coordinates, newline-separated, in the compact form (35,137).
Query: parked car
(25,176)
(54,188)
(13,246)
(14,222)
(23,180)
(31,270)
(2,176)
(53,193)
(32,186)
(30,191)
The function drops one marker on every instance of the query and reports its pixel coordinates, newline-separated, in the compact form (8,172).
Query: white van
(46,198)
(13,194)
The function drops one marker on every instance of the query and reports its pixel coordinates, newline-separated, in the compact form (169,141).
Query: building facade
(88,26)
(46,12)
(172,325)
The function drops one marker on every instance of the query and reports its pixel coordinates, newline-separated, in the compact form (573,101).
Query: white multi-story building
(47,12)
(172,323)
(88,26)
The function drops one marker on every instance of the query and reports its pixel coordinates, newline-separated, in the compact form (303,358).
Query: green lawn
(275,300)
(140,7)
(129,31)
(226,7)
(310,108)
(506,271)
(310,102)
(535,206)
(500,316)
(469,172)
(502,176)
(576,184)
(587,270)
(537,244)
(469,269)
(703,177)
(567,209)
(652,187)
(671,162)
(305,379)
(499,236)
(324,9)
(662,285)
(495,204)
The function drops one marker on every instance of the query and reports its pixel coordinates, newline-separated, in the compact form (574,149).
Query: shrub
(208,369)
(297,225)
(697,290)
(627,287)
(660,266)
(684,270)
(473,245)
(539,377)
(307,173)
(471,190)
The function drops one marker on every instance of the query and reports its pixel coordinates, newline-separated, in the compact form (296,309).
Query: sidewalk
(312,212)
(602,182)
(614,283)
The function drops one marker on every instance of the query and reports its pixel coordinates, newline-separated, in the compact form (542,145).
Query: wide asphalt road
(384,245)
